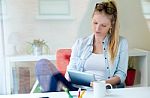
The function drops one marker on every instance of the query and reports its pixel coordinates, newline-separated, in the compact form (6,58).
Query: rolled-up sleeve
(122,65)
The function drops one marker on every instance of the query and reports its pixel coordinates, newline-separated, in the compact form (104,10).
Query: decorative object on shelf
(131,72)
(38,47)
(24,80)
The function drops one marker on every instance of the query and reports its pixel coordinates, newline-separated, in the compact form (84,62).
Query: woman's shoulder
(123,42)
(86,40)
(122,39)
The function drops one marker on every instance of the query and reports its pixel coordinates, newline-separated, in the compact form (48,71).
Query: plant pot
(37,50)
(130,77)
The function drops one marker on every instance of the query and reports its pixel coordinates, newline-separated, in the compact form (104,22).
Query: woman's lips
(97,32)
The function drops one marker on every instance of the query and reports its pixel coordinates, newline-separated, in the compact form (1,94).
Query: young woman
(104,53)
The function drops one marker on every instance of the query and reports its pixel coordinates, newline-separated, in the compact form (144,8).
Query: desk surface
(137,92)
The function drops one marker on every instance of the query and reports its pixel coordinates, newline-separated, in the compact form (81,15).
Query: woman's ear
(112,23)
(110,30)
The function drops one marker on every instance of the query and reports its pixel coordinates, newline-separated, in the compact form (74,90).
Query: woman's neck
(97,45)
(98,40)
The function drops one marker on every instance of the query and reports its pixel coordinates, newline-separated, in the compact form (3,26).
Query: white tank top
(95,64)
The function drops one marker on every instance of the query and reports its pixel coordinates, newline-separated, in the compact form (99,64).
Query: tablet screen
(81,78)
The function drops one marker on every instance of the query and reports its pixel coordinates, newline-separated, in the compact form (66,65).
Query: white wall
(62,33)
(58,33)
(133,25)
(148,22)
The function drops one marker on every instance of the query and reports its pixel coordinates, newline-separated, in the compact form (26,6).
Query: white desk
(137,92)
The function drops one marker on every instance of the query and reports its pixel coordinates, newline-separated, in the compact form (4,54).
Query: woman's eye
(95,22)
(104,25)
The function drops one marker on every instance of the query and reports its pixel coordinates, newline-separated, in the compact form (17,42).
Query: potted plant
(130,72)
(37,46)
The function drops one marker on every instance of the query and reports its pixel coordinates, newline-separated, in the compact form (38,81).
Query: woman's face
(100,24)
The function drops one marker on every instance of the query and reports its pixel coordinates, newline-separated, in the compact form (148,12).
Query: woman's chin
(97,33)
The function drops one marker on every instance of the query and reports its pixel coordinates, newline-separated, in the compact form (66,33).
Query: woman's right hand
(91,84)
(67,76)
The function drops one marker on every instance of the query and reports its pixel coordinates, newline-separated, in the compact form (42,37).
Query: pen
(79,90)
(67,91)
(82,93)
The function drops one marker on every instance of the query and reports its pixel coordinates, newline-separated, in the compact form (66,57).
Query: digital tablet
(81,78)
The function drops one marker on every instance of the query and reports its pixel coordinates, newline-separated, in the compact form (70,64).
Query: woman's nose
(98,28)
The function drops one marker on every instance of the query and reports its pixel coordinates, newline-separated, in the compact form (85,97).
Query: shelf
(21,58)
(30,58)
(142,56)
(137,52)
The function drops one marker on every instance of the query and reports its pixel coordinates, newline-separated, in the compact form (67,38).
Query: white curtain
(2,54)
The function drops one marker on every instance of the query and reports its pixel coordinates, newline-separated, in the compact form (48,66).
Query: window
(146,8)
(54,9)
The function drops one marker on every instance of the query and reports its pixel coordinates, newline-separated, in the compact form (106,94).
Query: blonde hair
(114,38)
(114,32)
(114,41)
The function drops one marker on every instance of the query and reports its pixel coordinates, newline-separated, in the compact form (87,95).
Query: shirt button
(103,42)
(107,67)
(105,58)
(108,77)
(104,48)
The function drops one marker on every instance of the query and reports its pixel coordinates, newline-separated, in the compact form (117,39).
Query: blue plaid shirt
(83,48)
